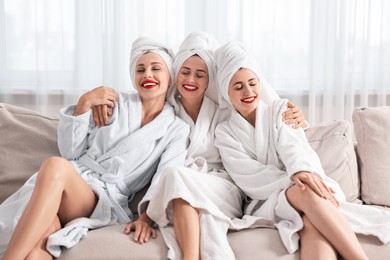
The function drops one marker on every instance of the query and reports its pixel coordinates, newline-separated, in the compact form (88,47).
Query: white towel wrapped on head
(231,57)
(144,45)
(203,45)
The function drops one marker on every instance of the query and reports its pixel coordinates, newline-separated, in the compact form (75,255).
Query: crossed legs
(60,195)
(324,227)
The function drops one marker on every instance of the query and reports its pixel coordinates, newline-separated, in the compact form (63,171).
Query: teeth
(149,84)
(248,99)
(190,87)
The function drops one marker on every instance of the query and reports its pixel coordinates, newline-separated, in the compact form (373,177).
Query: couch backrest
(333,142)
(26,139)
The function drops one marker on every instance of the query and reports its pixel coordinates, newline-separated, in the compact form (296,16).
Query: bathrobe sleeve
(73,132)
(174,155)
(257,180)
(292,146)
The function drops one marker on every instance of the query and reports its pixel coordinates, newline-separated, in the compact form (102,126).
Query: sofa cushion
(372,127)
(333,142)
(26,139)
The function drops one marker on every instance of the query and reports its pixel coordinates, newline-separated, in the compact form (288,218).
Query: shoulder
(222,128)
(279,106)
(132,97)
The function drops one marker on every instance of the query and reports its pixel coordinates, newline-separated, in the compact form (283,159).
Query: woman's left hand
(294,115)
(316,183)
(101,114)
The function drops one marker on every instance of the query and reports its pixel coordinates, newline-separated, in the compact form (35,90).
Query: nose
(247,89)
(191,78)
(148,73)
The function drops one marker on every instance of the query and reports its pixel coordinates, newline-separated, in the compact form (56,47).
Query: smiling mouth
(248,100)
(190,88)
(149,84)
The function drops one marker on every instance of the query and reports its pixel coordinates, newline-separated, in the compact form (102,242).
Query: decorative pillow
(372,126)
(333,142)
(26,139)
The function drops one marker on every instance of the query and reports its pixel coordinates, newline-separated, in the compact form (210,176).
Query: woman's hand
(101,114)
(142,228)
(316,184)
(96,97)
(293,115)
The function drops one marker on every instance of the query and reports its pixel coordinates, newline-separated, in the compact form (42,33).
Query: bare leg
(313,244)
(187,228)
(328,220)
(39,251)
(59,190)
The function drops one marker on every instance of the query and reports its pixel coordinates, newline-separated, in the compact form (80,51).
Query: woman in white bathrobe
(276,167)
(199,199)
(100,168)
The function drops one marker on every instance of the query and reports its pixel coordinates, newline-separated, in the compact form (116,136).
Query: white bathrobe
(204,184)
(262,160)
(116,161)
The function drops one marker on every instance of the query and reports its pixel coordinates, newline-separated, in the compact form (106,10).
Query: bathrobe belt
(114,185)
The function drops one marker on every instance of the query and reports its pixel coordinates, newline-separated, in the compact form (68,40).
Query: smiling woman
(330,58)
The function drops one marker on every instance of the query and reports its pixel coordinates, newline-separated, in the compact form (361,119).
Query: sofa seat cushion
(333,142)
(372,129)
(259,243)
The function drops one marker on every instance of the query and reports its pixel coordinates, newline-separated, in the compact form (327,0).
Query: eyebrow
(190,69)
(153,63)
(241,82)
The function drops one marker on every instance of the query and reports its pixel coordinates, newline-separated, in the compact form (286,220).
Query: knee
(53,168)
(300,199)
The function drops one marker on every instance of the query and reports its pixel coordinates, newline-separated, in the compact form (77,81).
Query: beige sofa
(27,138)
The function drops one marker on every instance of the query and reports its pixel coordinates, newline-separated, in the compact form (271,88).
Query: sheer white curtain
(327,56)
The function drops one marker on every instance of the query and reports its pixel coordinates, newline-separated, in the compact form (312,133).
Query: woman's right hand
(98,96)
(142,227)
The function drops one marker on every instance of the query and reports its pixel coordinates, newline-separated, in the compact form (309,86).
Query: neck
(250,117)
(192,107)
(151,109)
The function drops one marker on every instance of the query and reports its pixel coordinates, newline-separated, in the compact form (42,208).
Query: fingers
(333,199)
(313,181)
(142,231)
(293,115)
(102,96)
(145,234)
(101,114)
(104,110)
(317,185)
(290,104)
(95,116)
(298,182)
(128,228)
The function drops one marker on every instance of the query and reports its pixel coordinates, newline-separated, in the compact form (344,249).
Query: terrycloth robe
(116,161)
(204,184)
(262,161)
